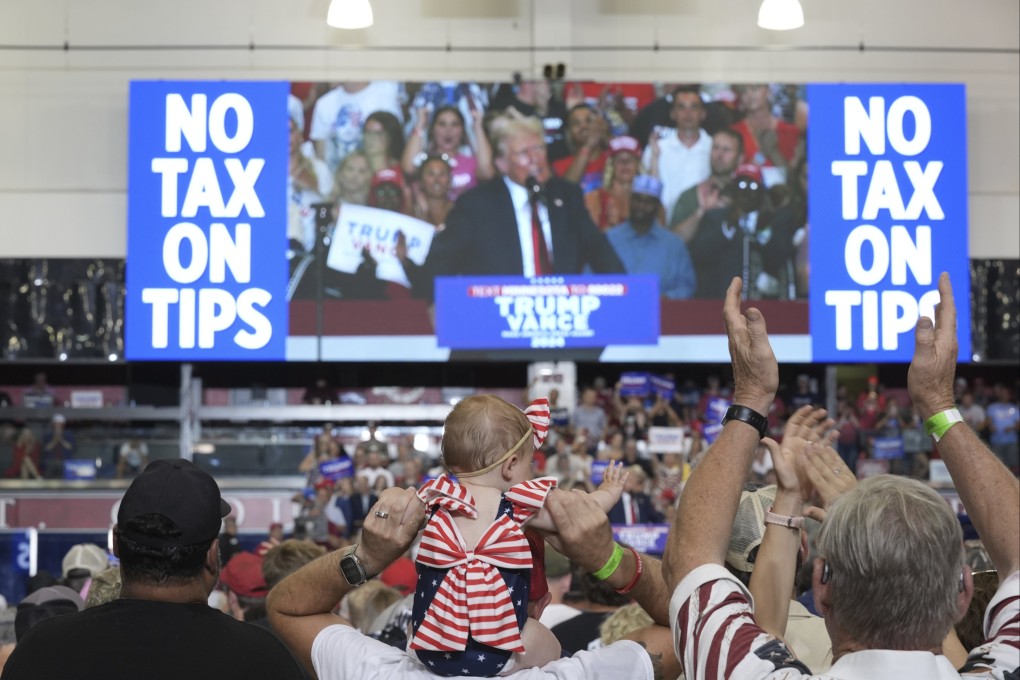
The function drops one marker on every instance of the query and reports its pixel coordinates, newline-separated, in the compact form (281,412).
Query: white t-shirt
(716,638)
(372,474)
(557,613)
(342,653)
(339,116)
(680,166)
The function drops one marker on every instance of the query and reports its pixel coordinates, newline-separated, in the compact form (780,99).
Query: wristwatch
(352,568)
(749,416)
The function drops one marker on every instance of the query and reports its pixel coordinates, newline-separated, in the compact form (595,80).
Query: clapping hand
(755,370)
(828,475)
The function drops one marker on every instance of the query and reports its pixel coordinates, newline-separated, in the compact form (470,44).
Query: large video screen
(431,221)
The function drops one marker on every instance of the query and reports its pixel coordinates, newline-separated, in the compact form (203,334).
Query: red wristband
(640,568)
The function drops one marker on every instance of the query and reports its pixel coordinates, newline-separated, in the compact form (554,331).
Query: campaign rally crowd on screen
(730,165)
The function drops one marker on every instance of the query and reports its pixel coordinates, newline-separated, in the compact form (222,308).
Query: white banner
(666,439)
(359,226)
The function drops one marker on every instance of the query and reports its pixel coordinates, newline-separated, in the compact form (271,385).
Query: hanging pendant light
(349,14)
(778,15)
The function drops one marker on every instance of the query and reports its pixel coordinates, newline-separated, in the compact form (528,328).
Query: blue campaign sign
(887,448)
(715,410)
(662,386)
(338,468)
(634,384)
(598,471)
(508,312)
(80,469)
(649,539)
(207,221)
(887,210)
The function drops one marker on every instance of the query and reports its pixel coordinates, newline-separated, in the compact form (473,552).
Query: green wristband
(939,424)
(611,565)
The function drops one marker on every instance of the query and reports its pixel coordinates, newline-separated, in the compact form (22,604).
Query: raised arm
(301,605)
(987,488)
(584,536)
(611,489)
(485,169)
(828,476)
(709,500)
(415,145)
(605,496)
(775,567)
(589,151)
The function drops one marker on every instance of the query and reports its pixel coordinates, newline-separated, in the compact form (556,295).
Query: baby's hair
(479,430)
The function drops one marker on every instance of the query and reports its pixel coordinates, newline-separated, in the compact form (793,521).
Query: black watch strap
(749,416)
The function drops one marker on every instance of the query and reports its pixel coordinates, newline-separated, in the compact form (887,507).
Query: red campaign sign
(81,511)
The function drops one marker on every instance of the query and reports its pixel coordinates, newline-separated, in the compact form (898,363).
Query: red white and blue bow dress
(471,605)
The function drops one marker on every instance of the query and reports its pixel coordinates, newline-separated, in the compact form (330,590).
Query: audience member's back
(161,626)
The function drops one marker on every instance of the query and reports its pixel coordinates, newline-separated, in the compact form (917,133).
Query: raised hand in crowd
(987,488)
(775,566)
(709,501)
(586,538)
(654,152)
(614,479)
(301,606)
(828,475)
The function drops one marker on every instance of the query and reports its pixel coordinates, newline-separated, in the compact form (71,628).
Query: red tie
(542,265)
(633,511)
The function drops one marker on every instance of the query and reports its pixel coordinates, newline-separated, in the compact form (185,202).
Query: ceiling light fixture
(777,15)
(349,14)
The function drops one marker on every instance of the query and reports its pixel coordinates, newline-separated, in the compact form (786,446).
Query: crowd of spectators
(717,169)
(875,430)
(887,575)
(723,545)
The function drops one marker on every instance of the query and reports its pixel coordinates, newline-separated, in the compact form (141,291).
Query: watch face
(352,570)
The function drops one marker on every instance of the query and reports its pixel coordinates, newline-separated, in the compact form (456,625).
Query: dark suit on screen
(481,236)
(644,510)
(360,505)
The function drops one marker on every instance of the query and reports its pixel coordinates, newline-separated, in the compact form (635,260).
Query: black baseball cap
(180,491)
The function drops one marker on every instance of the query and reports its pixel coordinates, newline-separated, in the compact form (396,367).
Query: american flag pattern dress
(471,605)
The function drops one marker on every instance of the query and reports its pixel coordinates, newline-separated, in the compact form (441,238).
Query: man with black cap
(161,626)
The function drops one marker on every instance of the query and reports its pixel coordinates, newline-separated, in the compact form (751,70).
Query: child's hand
(613,479)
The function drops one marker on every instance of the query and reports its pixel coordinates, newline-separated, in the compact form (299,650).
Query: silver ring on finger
(382,514)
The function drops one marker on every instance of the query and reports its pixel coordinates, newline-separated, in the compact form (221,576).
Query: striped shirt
(716,638)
